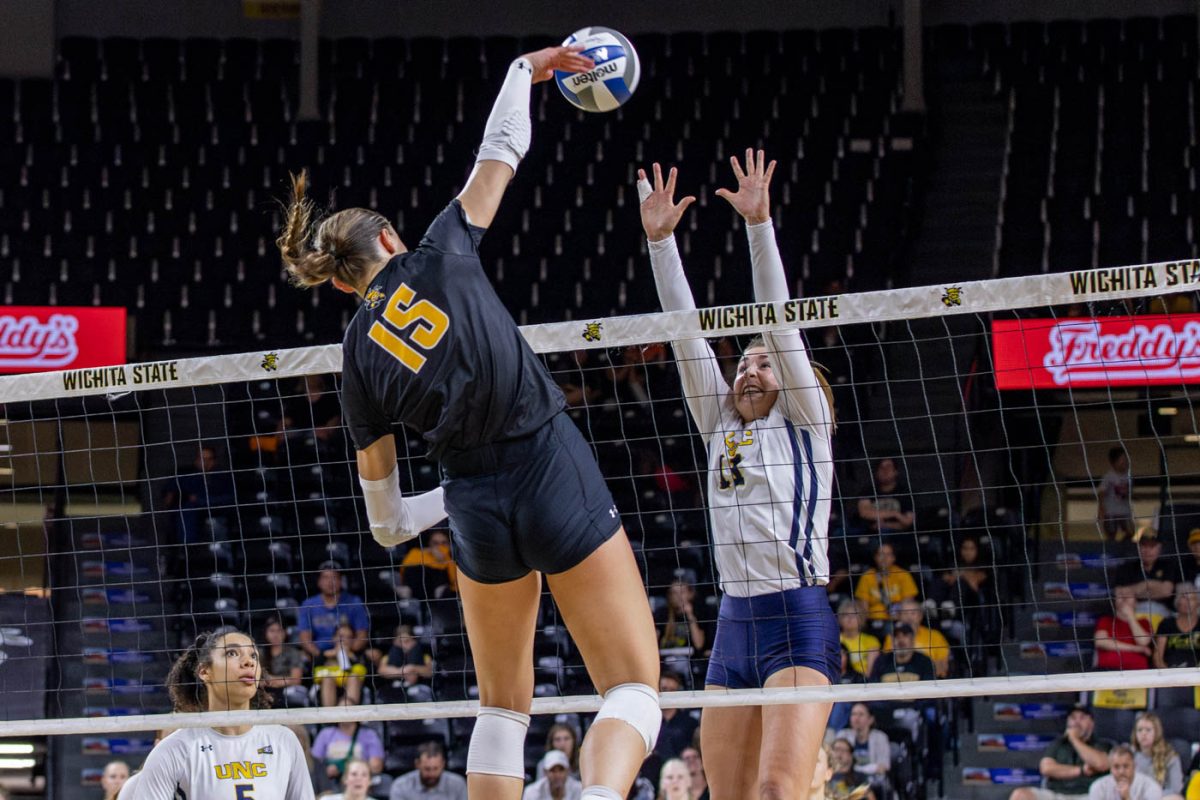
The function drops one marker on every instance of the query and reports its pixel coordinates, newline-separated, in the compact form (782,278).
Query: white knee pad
(634,704)
(498,743)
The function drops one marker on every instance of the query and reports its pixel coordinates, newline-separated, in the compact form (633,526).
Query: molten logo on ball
(613,80)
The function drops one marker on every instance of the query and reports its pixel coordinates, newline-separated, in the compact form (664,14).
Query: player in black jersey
(433,347)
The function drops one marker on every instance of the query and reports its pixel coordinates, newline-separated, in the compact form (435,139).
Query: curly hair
(188,692)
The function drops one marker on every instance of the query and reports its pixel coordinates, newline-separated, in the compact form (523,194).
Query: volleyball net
(149,502)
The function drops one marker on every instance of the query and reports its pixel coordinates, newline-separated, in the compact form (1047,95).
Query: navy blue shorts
(536,503)
(759,636)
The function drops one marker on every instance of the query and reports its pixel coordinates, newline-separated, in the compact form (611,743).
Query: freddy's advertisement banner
(42,338)
(1096,352)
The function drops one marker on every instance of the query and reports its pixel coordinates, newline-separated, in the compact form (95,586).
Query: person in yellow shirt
(436,565)
(884,585)
(925,640)
(863,647)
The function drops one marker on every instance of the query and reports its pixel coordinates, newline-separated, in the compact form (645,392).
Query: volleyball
(613,80)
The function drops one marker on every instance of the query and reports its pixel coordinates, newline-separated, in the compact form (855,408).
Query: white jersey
(127,788)
(266,763)
(770,481)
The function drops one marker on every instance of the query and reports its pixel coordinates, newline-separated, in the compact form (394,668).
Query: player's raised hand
(752,199)
(569,58)
(660,212)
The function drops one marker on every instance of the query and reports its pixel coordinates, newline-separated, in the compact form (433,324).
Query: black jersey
(433,347)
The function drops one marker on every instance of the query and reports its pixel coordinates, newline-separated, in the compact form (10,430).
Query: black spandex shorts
(535,503)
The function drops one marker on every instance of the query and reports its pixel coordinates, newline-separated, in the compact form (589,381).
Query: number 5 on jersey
(401,313)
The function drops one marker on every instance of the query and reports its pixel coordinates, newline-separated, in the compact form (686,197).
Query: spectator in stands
(428,571)
(968,583)
(1124,782)
(1114,513)
(862,647)
(197,494)
(1071,762)
(430,780)
(319,616)
(336,745)
(342,668)
(903,662)
(408,660)
(645,375)
(563,737)
(1190,566)
(113,778)
(577,384)
(1123,640)
(886,505)
(871,748)
(676,622)
(1193,780)
(283,667)
(314,409)
(678,727)
(674,782)
(356,781)
(695,764)
(1153,755)
(884,584)
(839,715)
(925,640)
(1151,576)
(555,781)
(821,775)
(1177,638)
(847,780)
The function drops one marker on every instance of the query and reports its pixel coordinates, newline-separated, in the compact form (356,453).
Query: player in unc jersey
(433,347)
(221,672)
(770,475)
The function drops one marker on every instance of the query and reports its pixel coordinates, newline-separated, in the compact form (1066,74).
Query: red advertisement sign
(1148,350)
(42,338)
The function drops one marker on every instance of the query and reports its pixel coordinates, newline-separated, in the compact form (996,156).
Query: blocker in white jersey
(770,478)
(265,763)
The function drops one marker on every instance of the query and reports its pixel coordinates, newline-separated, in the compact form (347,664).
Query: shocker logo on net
(952,296)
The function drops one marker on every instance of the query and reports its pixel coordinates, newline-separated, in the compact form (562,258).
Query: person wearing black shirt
(432,347)
(903,663)
(1152,575)
(1177,639)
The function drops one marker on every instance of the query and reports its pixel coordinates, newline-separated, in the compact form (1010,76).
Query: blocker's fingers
(643,187)
(658,181)
(770,170)
(750,161)
(737,168)
(762,157)
(671,176)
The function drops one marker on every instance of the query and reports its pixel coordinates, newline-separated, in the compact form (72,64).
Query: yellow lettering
(222,772)
(431,325)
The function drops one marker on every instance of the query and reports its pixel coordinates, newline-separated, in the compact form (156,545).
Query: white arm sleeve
(300,786)
(703,384)
(507,133)
(395,519)
(160,774)
(803,398)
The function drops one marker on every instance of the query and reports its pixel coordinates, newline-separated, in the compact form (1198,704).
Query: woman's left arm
(802,395)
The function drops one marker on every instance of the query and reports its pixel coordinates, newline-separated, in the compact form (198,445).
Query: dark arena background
(993,207)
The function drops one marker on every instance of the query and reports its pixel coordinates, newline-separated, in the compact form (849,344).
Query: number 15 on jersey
(427,322)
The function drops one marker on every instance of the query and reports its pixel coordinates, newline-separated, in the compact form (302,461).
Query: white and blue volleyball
(614,78)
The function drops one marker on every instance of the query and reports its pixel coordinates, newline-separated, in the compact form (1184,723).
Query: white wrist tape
(393,519)
(498,743)
(506,135)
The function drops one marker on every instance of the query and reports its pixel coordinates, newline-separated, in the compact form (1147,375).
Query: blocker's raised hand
(660,212)
(752,199)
